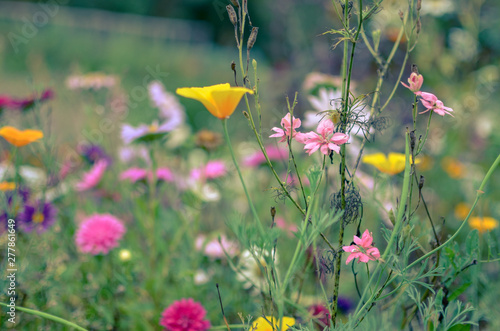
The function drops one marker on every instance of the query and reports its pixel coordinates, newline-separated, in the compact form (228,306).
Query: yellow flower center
(153,127)
(38,218)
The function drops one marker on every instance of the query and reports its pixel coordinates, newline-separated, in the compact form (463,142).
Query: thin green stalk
(422,143)
(254,211)
(46,316)
(395,230)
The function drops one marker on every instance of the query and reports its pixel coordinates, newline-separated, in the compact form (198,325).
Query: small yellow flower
(462,210)
(7,186)
(262,324)
(125,255)
(483,224)
(220,100)
(392,165)
(20,138)
(453,167)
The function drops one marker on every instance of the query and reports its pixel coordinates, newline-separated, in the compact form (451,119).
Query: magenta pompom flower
(362,249)
(99,233)
(185,315)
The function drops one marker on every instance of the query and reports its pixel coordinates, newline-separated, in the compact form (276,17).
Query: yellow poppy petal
(20,138)
(7,186)
(220,100)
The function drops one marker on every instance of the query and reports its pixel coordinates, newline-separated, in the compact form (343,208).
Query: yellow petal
(483,224)
(20,138)
(262,324)
(220,100)
(392,165)
(7,186)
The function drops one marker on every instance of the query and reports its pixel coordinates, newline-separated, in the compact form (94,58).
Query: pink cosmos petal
(93,177)
(373,253)
(215,169)
(351,248)
(165,174)
(325,127)
(366,239)
(333,147)
(133,174)
(358,241)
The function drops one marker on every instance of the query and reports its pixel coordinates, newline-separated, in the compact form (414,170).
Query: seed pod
(273,212)
(252,38)
(235,3)
(401,15)
(232,14)
(246,114)
(412,140)
(419,5)
(414,68)
(419,26)
(233,66)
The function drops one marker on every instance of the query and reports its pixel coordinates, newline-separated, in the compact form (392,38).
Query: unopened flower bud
(254,64)
(252,38)
(273,212)
(232,14)
(421,182)
(414,68)
(419,5)
(246,114)
(233,66)
(235,3)
(401,15)
(412,140)
(419,26)
(245,4)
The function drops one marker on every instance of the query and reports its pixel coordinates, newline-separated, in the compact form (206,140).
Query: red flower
(185,315)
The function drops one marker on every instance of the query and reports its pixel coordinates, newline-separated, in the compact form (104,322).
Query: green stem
(395,230)
(46,316)
(422,143)
(254,211)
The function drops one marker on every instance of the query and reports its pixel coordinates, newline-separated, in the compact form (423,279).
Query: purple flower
(170,108)
(145,133)
(93,153)
(39,216)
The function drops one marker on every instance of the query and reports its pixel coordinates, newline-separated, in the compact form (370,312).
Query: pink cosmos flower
(185,315)
(362,249)
(289,126)
(415,82)
(213,169)
(323,140)
(137,174)
(258,158)
(99,233)
(216,249)
(431,102)
(289,228)
(93,177)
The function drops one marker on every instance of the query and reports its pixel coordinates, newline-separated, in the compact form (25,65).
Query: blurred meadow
(131,202)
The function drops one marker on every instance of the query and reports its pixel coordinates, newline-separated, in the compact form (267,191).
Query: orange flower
(462,210)
(483,224)
(20,138)
(220,100)
(453,167)
(7,186)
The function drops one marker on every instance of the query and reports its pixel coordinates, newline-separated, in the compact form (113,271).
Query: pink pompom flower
(289,125)
(414,82)
(431,102)
(362,249)
(91,178)
(215,249)
(212,170)
(185,315)
(99,233)
(137,174)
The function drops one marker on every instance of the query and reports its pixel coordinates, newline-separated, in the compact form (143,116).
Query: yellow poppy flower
(483,224)
(7,186)
(220,100)
(20,138)
(262,324)
(392,165)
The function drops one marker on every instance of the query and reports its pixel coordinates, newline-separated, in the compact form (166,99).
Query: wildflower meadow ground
(249,165)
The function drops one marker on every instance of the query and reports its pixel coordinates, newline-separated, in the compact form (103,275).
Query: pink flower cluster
(212,170)
(99,233)
(324,139)
(362,249)
(273,153)
(428,100)
(185,315)
(137,174)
